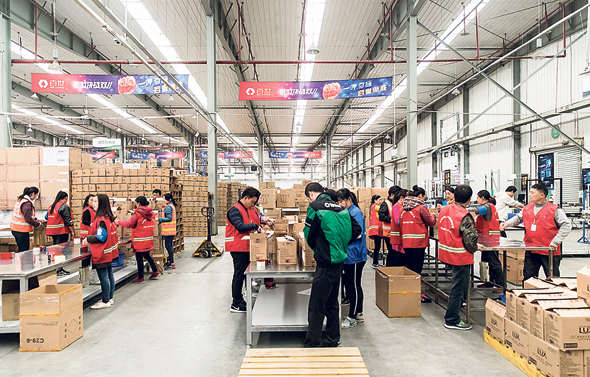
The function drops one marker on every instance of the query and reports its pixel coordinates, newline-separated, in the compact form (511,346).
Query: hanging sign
(229,155)
(102,84)
(156,156)
(102,155)
(310,90)
(104,143)
(317,154)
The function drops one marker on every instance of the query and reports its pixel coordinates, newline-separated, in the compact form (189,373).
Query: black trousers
(415,259)
(533,263)
(22,241)
(391,254)
(377,250)
(496,273)
(353,274)
(241,262)
(61,238)
(139,257)
(323,303)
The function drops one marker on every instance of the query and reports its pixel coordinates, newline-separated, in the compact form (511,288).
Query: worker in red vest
(545,225)
(487,223)
(88,214)
(385,213)
(103,241)
(457,244)
(242,219)
(24,219)
(59,219)
(142,225)
(398,257)
(375,228)
(414,222)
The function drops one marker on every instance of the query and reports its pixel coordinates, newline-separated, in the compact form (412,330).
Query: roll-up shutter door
(568,165)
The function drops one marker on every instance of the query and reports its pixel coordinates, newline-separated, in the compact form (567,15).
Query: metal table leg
(436,273)
(550,263)
(249,311)
(504,272)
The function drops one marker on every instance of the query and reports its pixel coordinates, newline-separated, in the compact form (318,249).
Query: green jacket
(329,229)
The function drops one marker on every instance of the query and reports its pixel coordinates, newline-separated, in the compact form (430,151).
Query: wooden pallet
(324,362)
(519,361)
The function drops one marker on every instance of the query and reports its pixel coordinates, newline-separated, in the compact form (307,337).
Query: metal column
(191,155)
(372,164)
(261,159)
(364,164)
(123,149)
(383,160)
(5,75)
(466,167)
(329,160)
(434,138)
(212,109)
(516,165)
(412,111)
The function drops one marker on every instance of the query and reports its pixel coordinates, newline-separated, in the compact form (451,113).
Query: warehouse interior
(485,93)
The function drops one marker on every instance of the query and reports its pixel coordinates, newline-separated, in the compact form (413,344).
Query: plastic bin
(119,261)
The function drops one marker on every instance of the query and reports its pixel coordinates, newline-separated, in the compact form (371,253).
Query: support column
(466,165)
(383,160)
(434,138)
(364,165)
(191,154)
(372,164)
(5,76)
(412,110)
(123,149)
(516,136)
(329,160)
(261,159)
(212,110)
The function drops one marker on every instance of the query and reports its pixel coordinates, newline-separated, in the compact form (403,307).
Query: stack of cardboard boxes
(547,323)
(176,177)
(194,198)
(224,202)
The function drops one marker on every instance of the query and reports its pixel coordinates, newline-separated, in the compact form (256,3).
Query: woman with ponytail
(375,228)
(415,221)
(169,228)
(59,219)
(487,223)
(24,219)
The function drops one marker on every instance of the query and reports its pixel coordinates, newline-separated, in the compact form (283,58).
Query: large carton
(540,306)
(525,305)
(495,313)
(305,252)
(553,362)
(568,328)
(397,291)
(536,283)
(268,198)
(570,283)
(514,271)
(364,194)
(50,317)
(517,338)
(512,299)
(286,250)
(11,293)
(382,192)
(261,246)
(286,198)
(583,283)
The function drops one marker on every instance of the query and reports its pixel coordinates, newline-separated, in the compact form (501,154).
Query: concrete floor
(180,325)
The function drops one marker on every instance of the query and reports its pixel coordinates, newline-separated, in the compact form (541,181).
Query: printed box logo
(541,353)
(494,322)
(515,335)
(584,329)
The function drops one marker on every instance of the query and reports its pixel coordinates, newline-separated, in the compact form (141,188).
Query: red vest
(387,226)
(142,236)
(233,239)
(414,231)
(544,226)
(375,226)
(396,229)
(488,228)
(450,247)
(55,223)
(104,252)
(18,223)
(85,229)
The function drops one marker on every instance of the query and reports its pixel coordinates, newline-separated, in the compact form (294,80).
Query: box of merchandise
(513,295)
(540,307)
(397,291)
(517,338)
(50,317)
(554,362)
(286,250)
(305,252)
(536,283)
(514,271)
(525,305)
(568,328)
(583,283)
(260,245)
(286,198)
(268,198)
(495,313)
(570,283)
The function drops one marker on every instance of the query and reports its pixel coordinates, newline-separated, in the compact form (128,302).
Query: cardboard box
(540,306)
(514,271)
(286,250)
(553,362)
(259,245)
(286,199)
(570,283)
(536,283)
(266,185)
(159,261)
(10,300)
(268,198)
(495,313)
(583,283)
(512,299)
(517,338)
(305,252)
(526,302)
(397,291)
(50,317)
(568,328)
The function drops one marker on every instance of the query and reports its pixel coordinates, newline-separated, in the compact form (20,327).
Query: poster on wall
(103,84)
(314,90)
(546,169)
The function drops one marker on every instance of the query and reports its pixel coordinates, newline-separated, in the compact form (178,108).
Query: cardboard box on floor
(159,261)
(495,313)
(517,338)
(51,317)
(553,362)
(397,291)
(11,293)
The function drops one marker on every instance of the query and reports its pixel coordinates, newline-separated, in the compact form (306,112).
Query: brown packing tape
(404,293)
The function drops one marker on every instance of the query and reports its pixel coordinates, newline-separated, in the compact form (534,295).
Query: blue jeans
(107,282)
(458,294)
(168,245)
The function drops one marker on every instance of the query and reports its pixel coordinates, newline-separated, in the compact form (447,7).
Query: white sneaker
(112,301)
(101,305)
(348,323)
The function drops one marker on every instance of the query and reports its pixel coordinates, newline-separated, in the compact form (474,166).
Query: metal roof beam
(401,11)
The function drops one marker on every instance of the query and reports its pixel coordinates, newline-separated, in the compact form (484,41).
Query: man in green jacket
(329,229)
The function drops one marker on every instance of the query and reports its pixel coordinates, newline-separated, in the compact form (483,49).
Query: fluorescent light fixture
(26,54)
(46,119)
(103,101)
(450,33)
(176,140)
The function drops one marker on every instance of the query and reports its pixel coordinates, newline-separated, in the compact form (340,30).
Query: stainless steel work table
(490,243)
(282,308)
